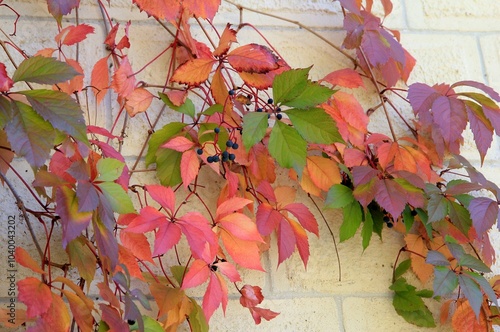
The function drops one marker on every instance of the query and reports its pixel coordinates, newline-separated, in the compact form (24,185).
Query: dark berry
(414,213)
(278,109)
(210,159)
(269,116)
(249,97)
(216,159)
(130,322)
(225,156)
(259,109)
(232,156)
(270,101)
(213,268)
(229,143)
(231,92)
(216,130)
(235,146)
(387,219)
(279,116)
(389,224)
(199,151)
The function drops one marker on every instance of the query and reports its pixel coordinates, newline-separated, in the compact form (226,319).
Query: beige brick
(490,46)
(452,15)
(377,315)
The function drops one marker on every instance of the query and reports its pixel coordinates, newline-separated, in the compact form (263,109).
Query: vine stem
(20,205)
(300,25)
(382,98)
(331,233)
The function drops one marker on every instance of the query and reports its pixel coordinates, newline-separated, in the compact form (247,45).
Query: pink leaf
(5,81)
(36,295)
(231,205)
(251,296)
(304,216)
(301,241)
(190,166)
(259,313)
(229,270)
(252,58)
(178,143)
(166,238)
(123,79)
(267,219)
(484,213)
(215,295)
(202,240)
(165,196)
(149,219)
(196,275)
(286,241)
(347,77)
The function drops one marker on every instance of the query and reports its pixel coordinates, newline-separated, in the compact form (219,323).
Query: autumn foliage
(242,115)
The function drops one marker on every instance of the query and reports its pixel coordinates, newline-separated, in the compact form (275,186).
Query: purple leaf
(73,222)
(106,242)
(449,115)
(492,93)
(391,196)
(484,213)
(363,174)
(88,197)
(58,8)
(421,98)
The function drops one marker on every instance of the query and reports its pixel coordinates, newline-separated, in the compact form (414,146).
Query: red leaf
(227,38)
(286,241)
(55,319)
(166,238)
(123,79)
(251,296)
(36,295)
(231,205)
(161,9)
(165,196)
(215,295)
(100,79)
(138,101)
(347,77)
(229,270)
(202,8)
(244,253)
(196,275)
(304,216)
(190,165)
(178,143)
(259,313)
(267,219)
(73,34)
(58,8)
(127,258)
(193,72)
(24,258)
(484,214)
(138,244)
(5,81)
(252,58)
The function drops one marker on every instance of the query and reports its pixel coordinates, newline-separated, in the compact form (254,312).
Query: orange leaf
(324,172)
(100,79)
(46,52)
(177,97)
(244,253)
(307,184)
(138,101)
(190,165)
(161,9)
(24,258)
(179,143)
(76,83)
(123,80)
(172,303)
(36,295)
(444,312)
(202,8)
(57,318)
(12,319)
(219,90)
(347,77)
(415,243)
(74,34)
(252,58)
(193,72)
(81,313)
(127,258)
(230,206)
(138,244)
(464,319)
(228,37)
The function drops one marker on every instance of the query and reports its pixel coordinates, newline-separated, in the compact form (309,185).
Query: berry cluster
(225,156)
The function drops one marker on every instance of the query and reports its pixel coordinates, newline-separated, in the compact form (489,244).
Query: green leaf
(427,293)
(422,317)
(425,221)
(437,208)
(215,108)
(473,263)
(338,196)
(62,111)
(178,272)
(151,325)
(289,84)
(401,285)
(407,301)
(197,320)
(378,220)
(408,218)
(472,292)
(117,197)
(103,327)
(367,230)
(312,95)
(168,167)
(160,137)
(352,219)
(82,258)
(5,111)
(109,169)
(315,125)
(460,217)
(29,134)
(288,147)
(254,128)
(43,70)
(186,108)
(402,268)
(445,281)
